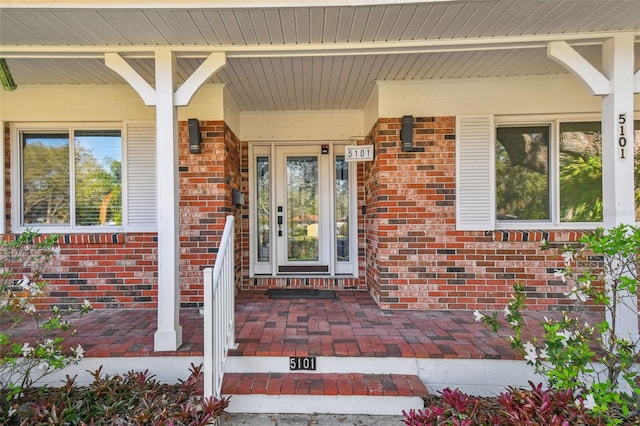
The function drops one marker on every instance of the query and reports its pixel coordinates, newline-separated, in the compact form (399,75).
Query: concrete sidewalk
(308,420)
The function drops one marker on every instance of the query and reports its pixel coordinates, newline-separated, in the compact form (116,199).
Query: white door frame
(276,154)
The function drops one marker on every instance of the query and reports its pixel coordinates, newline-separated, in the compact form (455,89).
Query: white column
(617,131)
(169,334)
(616,85)
(618,155)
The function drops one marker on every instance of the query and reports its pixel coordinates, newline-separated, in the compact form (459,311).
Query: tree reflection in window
(263,198)
(45,179)
(580,172)
(98,178)
(95,170)
(522,173)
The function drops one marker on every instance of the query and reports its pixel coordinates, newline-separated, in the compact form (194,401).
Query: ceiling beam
(198,4)
(313,49)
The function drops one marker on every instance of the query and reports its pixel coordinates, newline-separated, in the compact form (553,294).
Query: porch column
(616,86)
(168,336)
(617,132)
(618,190)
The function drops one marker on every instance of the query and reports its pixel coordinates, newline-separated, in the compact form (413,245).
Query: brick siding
(416,259)
(410,254)
(206,183)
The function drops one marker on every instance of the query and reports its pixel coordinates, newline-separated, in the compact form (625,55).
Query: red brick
(344,385)
(274,384)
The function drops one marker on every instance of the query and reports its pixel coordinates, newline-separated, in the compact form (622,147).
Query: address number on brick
(302,363)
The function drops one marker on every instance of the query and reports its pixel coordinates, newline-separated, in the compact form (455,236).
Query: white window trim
(263,268)
(349,267)
(16,173)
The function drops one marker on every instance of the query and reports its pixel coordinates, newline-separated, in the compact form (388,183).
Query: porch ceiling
(309,58)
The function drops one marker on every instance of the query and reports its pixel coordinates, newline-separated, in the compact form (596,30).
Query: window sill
(551,235)
(79,237)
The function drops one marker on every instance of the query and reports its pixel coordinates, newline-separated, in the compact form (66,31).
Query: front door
(300,210)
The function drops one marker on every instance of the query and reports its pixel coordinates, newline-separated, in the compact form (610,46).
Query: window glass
(303,208)
(342,209)
(264,207)
(82,190)
(98,178)
(522,173)
(580,172)
(45,179)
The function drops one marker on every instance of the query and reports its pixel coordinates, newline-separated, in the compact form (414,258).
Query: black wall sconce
(195,138)
(406,133)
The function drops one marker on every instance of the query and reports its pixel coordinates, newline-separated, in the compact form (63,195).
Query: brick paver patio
(351,325)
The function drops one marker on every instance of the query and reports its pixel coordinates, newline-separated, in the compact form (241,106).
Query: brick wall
(416,259)
(119,270)
(410,254)
(206,181)
(109,270)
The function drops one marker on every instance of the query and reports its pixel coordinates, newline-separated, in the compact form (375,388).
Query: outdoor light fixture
(194,135)
(5,76)
(406,133)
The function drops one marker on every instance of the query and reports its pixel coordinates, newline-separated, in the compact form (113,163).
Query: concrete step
(330,393)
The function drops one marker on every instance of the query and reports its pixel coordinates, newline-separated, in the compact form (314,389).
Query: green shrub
(23,363)
(595,361)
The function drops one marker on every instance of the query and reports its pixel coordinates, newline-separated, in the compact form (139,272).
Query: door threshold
(302,275)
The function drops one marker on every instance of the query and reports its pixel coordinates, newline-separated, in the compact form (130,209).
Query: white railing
(219,312)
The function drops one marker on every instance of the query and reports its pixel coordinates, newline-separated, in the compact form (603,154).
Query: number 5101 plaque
(358,153)
(302,363)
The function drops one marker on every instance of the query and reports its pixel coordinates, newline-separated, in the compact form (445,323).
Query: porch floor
(350,325)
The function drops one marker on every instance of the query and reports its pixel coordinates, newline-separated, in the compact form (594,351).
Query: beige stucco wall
(301,125)
(521,95)
(99,103)
(552,95)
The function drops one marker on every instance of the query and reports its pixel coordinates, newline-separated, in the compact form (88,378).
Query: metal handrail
(219,312)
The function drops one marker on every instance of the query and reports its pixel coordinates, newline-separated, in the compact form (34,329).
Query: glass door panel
(342,209)
(263,205)
(302,208)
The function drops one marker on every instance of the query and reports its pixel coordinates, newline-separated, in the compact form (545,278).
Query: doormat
(300,293)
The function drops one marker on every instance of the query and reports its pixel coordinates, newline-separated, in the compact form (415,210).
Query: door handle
(279,225)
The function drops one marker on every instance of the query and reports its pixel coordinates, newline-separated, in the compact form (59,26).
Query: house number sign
(302,363)
(358,153)
(622,137)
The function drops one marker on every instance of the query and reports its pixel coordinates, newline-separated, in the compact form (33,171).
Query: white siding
(475,172)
